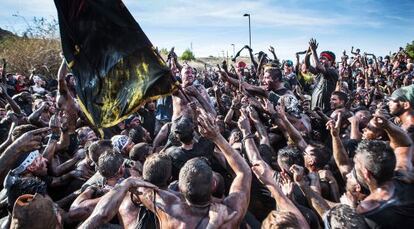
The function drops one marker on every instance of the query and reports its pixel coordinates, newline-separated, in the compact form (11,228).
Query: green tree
(187,55)
(164,51)
(410,49)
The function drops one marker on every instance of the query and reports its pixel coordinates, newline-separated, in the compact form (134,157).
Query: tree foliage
(38,48)
(410,49)
(187,55)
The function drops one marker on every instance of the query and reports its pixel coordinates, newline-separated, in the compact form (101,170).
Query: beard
(397,112)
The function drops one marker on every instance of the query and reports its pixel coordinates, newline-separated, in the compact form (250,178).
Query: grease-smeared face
(187,76)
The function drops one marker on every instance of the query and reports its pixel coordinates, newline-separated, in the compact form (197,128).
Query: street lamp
(234,50)
(250,31)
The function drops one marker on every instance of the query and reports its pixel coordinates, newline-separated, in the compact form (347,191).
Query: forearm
(261,129)
(206,104)
(35,116)
(65,167)
(61,180)
(340,156)
(294,134)
(398,137)
(107,207)
(5,144)
(64,140)
(254,62)
(251,150)
(67,200)
(16,108)
(234,159)
(315,59)
(49,151)
(62,87)
(229,116)
(8,159)
(285,204)
(317,202)
(355,133)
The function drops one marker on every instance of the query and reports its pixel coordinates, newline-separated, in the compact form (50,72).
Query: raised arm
(29,141)
(341,157)
(265,174)
(284,123)
(201,97)
(3,92)
(250,88)
(239,194)
(108,205)
(248,139)
(316,200)
(400,142)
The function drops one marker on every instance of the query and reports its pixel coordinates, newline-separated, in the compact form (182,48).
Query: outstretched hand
(244,123)
(207,125)
(219,214)
(263,172)
(335,126)
(313,44)
(31,140)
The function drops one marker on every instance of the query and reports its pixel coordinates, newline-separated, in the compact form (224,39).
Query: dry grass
(23,54)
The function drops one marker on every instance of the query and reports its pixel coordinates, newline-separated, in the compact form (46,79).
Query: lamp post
(250,31)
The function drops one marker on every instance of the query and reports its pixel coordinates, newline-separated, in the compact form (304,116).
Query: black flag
(116,67)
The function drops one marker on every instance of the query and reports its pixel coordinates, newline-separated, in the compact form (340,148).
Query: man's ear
(213,184)
(31,168)
(406,105)
(358,188)
(367,174)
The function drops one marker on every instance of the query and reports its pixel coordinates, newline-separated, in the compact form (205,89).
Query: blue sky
(211,26)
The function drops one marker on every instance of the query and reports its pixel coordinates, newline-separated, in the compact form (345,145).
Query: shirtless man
(195,93)
(193,206)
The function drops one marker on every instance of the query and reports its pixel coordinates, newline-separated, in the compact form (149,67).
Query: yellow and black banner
(116,67)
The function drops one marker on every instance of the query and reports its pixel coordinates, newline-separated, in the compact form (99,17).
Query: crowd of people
(322,142)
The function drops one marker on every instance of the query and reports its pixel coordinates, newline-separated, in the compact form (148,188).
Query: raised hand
(269,107)
(286,183)
(313,44)
(271,49)
(31,140)
(334,126)
(298,173)
(219,214)
(244,123)
(263,172)
(254,116)
(207,125)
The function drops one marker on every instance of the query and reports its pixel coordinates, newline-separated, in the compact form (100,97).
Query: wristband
(248,136)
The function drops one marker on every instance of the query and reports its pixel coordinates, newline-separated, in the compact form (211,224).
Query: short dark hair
(109,163)
(157,169)
(195,181)
(24,185)
(343,216)
(341,95)
(274,72)
(137,134)
(379,159)
(97,148)
(139,152)
(289,156)
(322,154)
